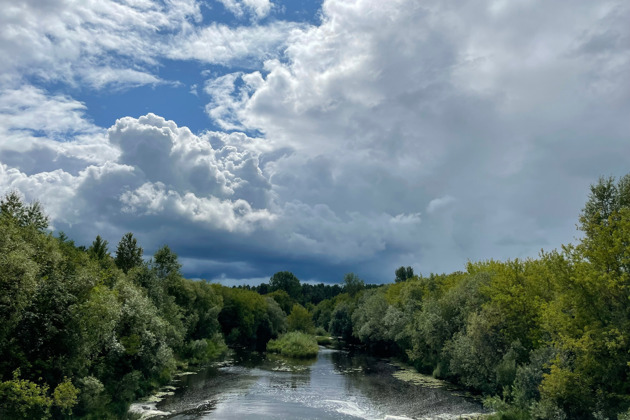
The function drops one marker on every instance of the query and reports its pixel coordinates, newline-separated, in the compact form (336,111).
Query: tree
(605,199)
(353,284)
(285,280)
(300,319)
(128,253)
(165,261)
(341,321)
(11,206)
(98,249)
(23,399)
(367,319)
(403,274)
(283,299)
(605,221)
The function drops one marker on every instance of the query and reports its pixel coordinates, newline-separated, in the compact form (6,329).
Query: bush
(204,350)
(23,399)
(93,397)
(320,331)
(294,344)
(65,396)
(300,319)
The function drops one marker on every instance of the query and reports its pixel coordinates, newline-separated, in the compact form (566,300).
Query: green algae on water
(409,374)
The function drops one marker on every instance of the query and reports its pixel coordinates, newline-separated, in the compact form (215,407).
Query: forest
(85,330)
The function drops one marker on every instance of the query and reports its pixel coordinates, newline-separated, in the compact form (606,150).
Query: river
(336,385)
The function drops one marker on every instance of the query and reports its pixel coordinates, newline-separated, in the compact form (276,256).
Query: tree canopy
(285,280)
(403,274)
(128,253)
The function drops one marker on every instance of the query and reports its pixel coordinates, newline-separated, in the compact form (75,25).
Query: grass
(294,344)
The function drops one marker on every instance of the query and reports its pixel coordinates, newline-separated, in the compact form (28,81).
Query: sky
(256,136)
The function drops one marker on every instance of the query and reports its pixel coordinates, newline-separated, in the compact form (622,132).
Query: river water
(336,385)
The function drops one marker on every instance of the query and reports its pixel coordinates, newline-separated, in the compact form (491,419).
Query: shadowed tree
(403,274)
(300,319)
(353,284)
(165,261)
(98,249)
(285,280)
(128,253)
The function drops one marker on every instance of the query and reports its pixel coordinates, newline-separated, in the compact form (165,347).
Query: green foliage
(277,318)
(93,397)
(23,399)
(605,199)
(503,410)
(65,396)
(320,331)
(294,344)
(32,215)
(403,274)
(98,337)
(352,284)
(283,299)
(341,321)
(18,277)
(529,376)
(98,249)
(128,253)
(165,262)
(285,280)
(205,350)
(367,319)
(300,320)
(246,319)
(322,313)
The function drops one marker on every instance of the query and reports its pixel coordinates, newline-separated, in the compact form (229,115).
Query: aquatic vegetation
(409,374)
(294,344)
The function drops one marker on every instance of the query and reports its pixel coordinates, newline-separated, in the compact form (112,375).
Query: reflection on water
(336,385)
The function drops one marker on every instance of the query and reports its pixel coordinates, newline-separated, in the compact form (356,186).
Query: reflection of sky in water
(334,386)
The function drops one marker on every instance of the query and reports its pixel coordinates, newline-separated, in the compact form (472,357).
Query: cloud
(222,44)
(257,8)
(30,109)
(39,187)
(383,112)
(441,203)
(100,78)
(41,132)
(227,215)
(68,42)
(118,45)
(174,156)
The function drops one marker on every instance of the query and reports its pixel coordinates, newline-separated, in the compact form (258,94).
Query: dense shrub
(294,344)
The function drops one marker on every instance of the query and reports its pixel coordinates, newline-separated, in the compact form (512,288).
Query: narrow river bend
(337,385)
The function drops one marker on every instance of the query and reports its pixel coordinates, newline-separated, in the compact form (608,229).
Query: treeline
(284,285)
(545,338)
